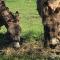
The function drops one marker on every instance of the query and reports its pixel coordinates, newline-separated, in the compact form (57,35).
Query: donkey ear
(17,13)
(7,8)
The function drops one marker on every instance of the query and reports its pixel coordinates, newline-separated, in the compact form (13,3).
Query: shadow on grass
(4,40)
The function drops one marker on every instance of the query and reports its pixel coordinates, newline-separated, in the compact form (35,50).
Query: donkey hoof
(16,45)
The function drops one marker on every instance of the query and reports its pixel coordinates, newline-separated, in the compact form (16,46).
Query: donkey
(49,10)
(11,22)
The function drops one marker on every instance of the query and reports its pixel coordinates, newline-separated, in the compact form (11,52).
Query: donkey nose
(16,45)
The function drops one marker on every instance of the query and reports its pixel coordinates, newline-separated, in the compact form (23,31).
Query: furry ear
(57,10)
(7,8)
(3,3)
(17,15)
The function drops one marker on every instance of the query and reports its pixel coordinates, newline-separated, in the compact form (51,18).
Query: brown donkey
(11,22)
(49,10)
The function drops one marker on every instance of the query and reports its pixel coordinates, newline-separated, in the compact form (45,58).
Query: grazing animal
(49,10)
(11,22)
